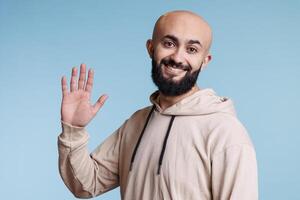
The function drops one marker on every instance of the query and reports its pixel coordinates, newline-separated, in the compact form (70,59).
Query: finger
(64,86)
(90,80)
(73,83)
(99,103)
(82,75)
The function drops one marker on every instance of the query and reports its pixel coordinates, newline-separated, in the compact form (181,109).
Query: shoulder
(138,116)
(141,113)
(228,131)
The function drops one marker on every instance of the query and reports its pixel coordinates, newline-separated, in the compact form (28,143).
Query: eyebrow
(195,42)
(175,39)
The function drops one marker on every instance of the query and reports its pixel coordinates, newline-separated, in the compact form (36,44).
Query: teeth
(173,68)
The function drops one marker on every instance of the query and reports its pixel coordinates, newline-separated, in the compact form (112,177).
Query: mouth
(173,70)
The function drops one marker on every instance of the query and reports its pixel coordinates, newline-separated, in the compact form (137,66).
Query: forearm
(76,167)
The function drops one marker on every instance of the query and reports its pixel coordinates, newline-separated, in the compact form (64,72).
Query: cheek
(160,53)
(195,63)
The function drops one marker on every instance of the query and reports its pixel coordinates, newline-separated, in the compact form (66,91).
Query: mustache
(171,62)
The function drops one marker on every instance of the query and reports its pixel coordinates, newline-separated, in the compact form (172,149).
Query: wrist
(71,125)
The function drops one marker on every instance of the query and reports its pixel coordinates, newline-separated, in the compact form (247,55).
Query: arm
(234,173)
(88,175)
(83,175)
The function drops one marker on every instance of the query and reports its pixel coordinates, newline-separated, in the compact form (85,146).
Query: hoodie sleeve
(88,175)
(234,173)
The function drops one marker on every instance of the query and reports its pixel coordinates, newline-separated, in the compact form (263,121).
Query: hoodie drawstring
(164,144)
(140,138)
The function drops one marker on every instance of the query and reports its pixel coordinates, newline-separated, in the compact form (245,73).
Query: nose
(178,56)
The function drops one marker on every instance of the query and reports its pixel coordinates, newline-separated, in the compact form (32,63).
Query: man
(188,145)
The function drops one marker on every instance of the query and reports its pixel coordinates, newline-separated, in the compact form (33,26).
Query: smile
(173,71)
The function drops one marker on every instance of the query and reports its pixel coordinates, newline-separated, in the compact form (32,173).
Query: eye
(192,50)
(168,44)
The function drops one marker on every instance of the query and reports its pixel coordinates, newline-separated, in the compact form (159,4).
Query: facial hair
(167,86)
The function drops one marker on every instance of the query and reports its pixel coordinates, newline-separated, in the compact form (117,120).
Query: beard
(167,86)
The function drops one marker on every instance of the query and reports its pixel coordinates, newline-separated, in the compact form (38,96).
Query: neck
(167,101)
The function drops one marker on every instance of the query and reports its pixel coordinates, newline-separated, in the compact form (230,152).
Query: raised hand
(76,108)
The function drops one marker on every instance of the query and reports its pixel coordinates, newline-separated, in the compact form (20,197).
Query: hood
(202,102)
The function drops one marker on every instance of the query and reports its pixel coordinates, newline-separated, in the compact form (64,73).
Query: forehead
(184,27)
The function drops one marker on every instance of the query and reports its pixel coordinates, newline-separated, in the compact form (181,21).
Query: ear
(206,60)
(149,46)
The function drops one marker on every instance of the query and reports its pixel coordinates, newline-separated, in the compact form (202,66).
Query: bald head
(183,22)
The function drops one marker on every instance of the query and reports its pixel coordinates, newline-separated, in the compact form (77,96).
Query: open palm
(76,108)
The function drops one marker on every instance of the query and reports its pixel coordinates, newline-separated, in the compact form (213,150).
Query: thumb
(99,103)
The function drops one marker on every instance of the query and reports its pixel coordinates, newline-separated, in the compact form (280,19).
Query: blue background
(255,62)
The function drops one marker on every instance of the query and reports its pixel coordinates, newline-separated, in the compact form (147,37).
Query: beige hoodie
(194,150)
